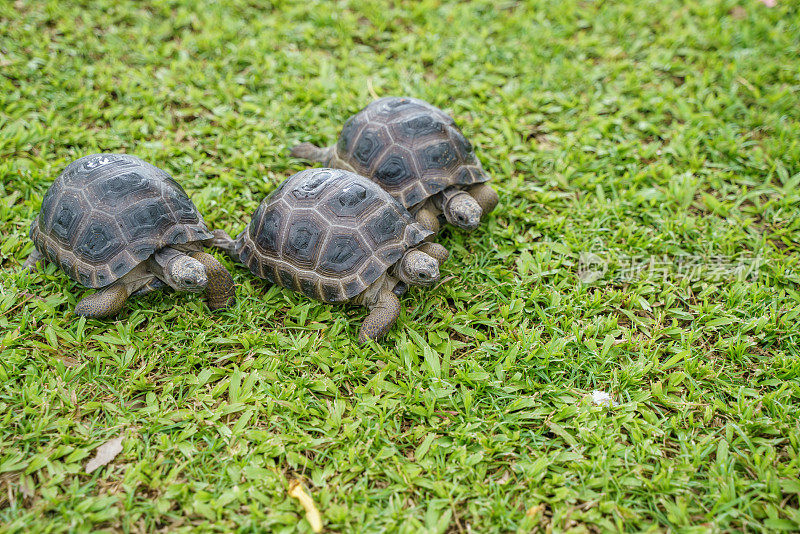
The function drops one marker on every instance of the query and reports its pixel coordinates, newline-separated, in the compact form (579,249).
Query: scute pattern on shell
(411,148)
(328,234)
(106,213)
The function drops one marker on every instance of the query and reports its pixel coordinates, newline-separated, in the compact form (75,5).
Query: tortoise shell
(411,148)
(106,213)
(327,233)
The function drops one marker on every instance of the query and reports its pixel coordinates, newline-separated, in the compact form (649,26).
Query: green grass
(637,128)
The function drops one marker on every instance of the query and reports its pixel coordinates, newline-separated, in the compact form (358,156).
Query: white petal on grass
(105,453)
(601,398)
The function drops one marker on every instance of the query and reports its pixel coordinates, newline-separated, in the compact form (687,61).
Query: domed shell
(411,148)
(327,233)
(106,213)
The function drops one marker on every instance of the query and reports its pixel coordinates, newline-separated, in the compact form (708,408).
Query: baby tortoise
(118,224)
(416,152)
(337,237)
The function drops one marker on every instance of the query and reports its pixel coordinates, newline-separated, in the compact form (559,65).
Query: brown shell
(327,233)
(106,213)
(411,148)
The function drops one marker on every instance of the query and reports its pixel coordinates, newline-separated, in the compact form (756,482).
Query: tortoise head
(418,269)
(185,273)
(463,211)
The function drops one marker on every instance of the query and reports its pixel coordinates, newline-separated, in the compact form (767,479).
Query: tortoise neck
(399,270)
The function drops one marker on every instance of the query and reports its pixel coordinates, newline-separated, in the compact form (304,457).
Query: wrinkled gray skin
(187,274)
(463,211)
(179,271)
(418,269)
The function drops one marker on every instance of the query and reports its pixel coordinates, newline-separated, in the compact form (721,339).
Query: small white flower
(601,398)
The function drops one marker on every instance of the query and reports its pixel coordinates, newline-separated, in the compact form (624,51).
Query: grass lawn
(634,130)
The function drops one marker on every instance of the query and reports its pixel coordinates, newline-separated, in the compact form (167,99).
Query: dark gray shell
(411,148)
(106,213)
(327,233)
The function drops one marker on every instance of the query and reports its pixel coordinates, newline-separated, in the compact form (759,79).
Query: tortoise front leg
(220,289)
(436,251)
(106,302)
(485,196)
(34,257)
(400,289)
(428,217)
(381,317)
(154,284)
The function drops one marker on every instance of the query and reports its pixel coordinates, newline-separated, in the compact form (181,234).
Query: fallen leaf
(105,453)
(534,511)
(738,12)
(68,361)
(313,517)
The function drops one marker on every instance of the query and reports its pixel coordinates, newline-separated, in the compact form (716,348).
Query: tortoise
(120,225)
(416,152)
(338,237)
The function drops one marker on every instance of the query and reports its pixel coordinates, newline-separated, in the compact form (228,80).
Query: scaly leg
(106,302)
(220,289)
(381,317)
(435,250)
(225,243)
(427,217)
(400,289)
(34,257)
(153,285)
(485,196)
(312,152)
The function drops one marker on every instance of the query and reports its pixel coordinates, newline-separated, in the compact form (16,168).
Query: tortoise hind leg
(224,242)
(220,289)
(381,317)
(34,257)
(311,152)
(106,302)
